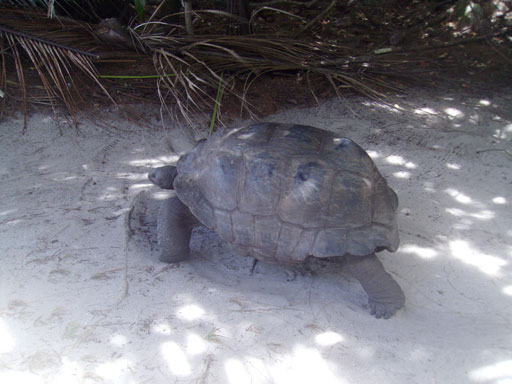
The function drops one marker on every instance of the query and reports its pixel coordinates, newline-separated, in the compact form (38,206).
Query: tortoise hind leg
(385,296)
(175,224)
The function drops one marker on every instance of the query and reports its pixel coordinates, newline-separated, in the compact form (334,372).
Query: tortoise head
(163,176)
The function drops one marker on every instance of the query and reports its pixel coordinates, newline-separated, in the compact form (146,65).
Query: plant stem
(217,103)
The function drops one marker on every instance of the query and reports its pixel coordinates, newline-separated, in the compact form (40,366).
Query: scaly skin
(385,296)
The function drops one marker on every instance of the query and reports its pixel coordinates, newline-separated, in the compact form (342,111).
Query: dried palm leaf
(198,61)
(56,48)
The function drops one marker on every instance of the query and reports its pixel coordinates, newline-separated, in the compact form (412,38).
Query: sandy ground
(83,298)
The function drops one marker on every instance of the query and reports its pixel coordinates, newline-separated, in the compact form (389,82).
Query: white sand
(83,298)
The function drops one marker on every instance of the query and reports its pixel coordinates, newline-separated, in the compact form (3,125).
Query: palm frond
(57,48)
(198,62)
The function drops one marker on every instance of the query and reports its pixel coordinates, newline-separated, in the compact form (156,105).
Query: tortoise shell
(282,192)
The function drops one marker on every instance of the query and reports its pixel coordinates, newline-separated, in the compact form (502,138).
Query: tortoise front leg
(175,224)
(385,296)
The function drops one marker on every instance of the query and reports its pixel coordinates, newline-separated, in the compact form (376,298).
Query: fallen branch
(495,150)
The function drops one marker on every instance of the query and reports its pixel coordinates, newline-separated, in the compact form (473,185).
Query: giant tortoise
(282,193)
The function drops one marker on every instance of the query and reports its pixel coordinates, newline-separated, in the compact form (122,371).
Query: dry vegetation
(297,52)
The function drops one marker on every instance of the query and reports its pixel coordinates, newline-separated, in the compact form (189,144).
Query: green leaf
(139,8)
